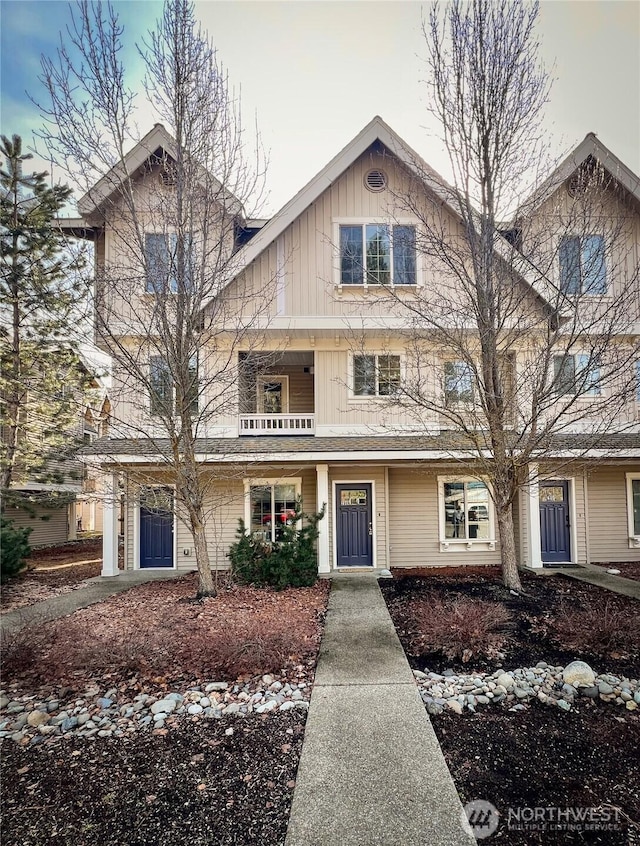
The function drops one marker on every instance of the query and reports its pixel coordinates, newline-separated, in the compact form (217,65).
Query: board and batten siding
(608,526)
(414,523)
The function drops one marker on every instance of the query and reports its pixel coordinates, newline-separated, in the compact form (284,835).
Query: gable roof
(590,146)
(378,130)
(157,139)
(375,130)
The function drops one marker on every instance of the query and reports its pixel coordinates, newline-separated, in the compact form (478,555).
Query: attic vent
(168,175)
(590,175)
(375,180)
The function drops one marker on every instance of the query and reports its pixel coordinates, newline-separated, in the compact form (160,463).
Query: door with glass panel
(354,525)
(555,528)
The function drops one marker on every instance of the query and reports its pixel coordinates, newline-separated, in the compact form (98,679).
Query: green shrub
(14,548)
(288,562)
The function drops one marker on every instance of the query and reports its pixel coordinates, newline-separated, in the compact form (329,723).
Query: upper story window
(576,374)
(582,265)
(376,375)
(377,254)
(161,387)
(458,382)
(638,381)
(160,251)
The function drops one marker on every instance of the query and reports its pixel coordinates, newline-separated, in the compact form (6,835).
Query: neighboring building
(311,414)
(57,510)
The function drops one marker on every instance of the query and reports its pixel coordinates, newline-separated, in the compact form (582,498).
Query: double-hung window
(162,388)
(465,511)
(576,374)
(376,375)
(633,509)
(582,265)
(377,254)
(458,382)
(160,256)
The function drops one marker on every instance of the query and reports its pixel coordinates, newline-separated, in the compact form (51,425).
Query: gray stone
(590,691)
(232,708)
(636,697)
(562,703)
(506,681)
(482,699)
(605,688)
(194,709)
(83,718)
(578,672)
(205,702)
(216,686)
(104,703)
(434,709)
(4,701)
(521,692)
(302,706)
(454,706)
(160,717)
(38,718)
(287,706)
(69,724)
(268,706)
(166,706)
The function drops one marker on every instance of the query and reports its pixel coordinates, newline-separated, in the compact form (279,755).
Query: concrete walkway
(599,576)
(371,771)
(96,590)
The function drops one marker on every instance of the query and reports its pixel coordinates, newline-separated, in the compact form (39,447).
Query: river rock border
(31,720)
(558,686)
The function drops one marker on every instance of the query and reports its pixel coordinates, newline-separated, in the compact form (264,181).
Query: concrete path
(599,576)
(371,771)
(96,590)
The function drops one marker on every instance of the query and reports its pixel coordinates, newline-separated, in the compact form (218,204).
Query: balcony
(276,393)
(277,424)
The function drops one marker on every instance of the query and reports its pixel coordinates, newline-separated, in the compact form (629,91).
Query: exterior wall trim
(136,530)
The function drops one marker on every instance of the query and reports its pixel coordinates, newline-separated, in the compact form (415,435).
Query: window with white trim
(375,375)
(377,254)
(162,400)
(163,262)
(582,265)
(577,374)
(465,511)
(270,505)
(458,382)
(633,508)
(637,392)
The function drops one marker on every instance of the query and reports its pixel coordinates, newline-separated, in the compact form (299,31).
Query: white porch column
(532,493)
(110,526)
(322,497)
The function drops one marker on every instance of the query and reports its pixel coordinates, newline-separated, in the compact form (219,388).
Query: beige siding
(414,527)
(49,526)
(608,526)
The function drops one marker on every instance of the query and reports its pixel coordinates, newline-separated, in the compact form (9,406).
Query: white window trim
(265,379)
(634,540)
(357,398)
(269,482)
(556,263)
(363,221)
(464,544)
(459,404)
(590,395)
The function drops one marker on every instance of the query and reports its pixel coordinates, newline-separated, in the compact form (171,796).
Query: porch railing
(277,424)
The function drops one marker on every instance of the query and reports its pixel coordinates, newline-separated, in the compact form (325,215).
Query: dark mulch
(628,569)
(194,786)
(540,757)
(544,757)
(531,637)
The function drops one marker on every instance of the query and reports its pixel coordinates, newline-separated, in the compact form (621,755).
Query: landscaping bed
(153,717)
(487,660)
(52,571)
(628,569)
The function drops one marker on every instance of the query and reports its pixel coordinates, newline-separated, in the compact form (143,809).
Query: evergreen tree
(42,380)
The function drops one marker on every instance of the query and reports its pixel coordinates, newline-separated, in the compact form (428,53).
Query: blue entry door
(156,527)
(555,527)
(354,526)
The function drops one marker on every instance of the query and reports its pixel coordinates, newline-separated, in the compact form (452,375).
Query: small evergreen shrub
(290,561)
(14,548)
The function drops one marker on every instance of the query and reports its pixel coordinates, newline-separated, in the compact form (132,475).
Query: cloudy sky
(315,72)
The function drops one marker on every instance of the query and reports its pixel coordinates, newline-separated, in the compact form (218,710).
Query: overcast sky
(315,72)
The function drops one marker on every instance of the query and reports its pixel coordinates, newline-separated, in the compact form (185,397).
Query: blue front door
(555,530)
(156,527)
(354,526)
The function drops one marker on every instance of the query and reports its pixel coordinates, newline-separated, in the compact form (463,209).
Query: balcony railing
(277,424)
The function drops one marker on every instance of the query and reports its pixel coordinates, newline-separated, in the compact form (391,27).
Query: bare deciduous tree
(172,215)
(523,328)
